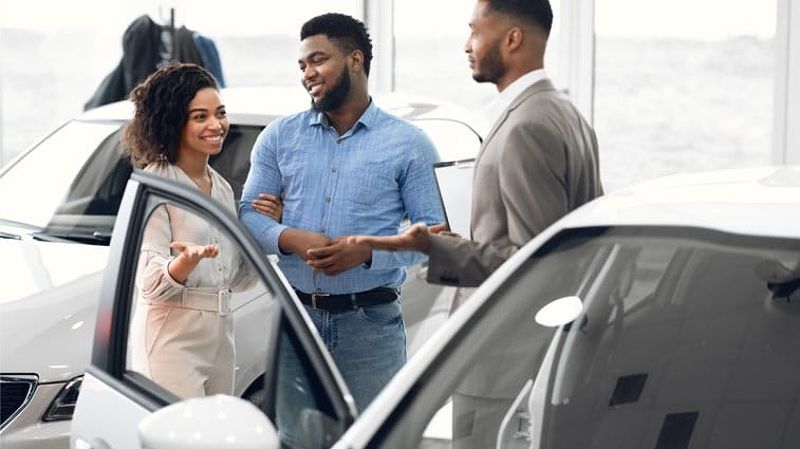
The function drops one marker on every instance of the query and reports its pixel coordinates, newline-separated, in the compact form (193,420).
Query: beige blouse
(169,223)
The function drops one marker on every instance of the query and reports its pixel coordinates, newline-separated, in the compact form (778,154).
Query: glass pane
(233,162)
(682,86)
(259,42)
(684,336)
(63,160)
(199,330)
(430,58)
(454,141)
(304,413)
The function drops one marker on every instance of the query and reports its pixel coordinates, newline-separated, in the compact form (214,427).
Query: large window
(430,58)
(682,86)
(50,67)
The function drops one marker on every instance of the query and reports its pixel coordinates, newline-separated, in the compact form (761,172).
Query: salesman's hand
(415,238)
(341,255)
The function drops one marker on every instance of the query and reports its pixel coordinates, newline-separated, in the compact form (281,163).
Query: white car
(58,204)
(665,315)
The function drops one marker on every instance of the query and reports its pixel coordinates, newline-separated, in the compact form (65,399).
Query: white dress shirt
(512,91)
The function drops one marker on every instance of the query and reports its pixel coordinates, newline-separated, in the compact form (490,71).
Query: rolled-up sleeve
(153,278)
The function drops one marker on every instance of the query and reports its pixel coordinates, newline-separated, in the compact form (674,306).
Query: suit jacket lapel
(537,87)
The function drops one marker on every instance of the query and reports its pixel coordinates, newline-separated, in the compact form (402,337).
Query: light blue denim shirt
(362,182)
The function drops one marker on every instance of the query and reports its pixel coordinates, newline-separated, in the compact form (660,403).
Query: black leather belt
(340,303)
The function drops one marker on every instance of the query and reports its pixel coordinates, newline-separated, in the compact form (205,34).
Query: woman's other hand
(269,205)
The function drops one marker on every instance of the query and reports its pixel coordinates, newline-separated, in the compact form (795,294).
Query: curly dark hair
(161,104)
(348,33)
(535,12)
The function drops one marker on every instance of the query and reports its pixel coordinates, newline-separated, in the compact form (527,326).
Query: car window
(686,338)
(454,140)
(83,171)
(209,333)
(33,189)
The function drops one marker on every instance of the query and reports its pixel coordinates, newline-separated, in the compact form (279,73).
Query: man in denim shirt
(344,167)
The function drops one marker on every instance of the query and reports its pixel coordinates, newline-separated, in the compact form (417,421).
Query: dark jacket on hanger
(140,57)
(211,61)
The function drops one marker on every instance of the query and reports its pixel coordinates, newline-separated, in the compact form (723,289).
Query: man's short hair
(348,33)
(534,12)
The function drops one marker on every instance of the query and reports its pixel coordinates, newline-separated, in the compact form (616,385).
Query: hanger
(167,35)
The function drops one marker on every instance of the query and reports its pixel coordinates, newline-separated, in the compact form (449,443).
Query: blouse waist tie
(209,299)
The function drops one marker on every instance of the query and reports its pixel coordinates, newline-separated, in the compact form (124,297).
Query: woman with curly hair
(181,336)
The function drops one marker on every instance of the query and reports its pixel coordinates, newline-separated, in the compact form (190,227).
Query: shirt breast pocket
(372,183)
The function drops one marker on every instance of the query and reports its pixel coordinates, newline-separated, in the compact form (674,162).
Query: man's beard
(492,68)
(335,98)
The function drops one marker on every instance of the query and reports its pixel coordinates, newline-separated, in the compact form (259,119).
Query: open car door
(270,328)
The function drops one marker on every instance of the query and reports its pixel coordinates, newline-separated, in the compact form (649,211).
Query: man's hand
(188,259)
(415,238)
(341,255)
(298,241)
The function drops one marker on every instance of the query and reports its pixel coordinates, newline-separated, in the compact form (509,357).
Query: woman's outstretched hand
(188,258)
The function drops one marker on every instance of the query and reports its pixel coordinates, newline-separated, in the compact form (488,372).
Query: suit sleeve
(533,194)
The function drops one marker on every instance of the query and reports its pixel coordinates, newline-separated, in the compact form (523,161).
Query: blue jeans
(367,344)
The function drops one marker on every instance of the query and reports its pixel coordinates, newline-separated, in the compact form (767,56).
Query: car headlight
(64,404)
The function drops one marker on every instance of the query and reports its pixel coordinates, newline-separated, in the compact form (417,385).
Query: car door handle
(80,443)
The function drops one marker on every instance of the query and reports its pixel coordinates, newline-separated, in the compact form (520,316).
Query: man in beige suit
(538,162)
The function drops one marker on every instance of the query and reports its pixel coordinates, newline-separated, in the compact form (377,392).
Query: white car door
(270,326)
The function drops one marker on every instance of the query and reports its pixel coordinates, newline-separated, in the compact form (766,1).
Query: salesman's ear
(514,38)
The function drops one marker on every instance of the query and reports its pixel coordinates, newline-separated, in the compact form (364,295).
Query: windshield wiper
(8,235)
(94,238)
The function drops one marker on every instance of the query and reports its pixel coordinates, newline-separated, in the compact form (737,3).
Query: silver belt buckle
(224,302)
(314,297)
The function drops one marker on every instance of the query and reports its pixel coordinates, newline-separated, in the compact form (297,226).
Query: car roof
(762,201)
(260,105)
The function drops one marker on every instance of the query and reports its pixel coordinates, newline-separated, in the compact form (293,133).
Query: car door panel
(132,394)
(120,412)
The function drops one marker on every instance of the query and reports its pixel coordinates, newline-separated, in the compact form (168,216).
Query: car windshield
(71,184)
(685,338)
(32,192)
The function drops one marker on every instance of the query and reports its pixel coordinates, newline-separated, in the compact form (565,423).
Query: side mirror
(559,311)
(205,423)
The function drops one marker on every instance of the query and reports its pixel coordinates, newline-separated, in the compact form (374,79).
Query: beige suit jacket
(537,163)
